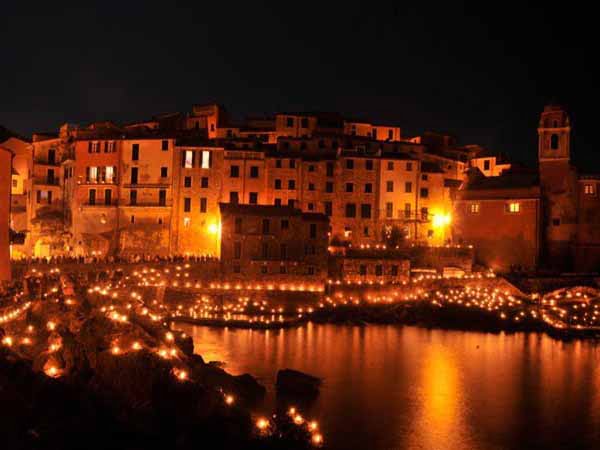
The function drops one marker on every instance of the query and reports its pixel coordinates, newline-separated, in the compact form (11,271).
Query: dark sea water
(392,387)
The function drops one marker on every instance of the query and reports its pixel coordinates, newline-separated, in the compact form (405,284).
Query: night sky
(480,73)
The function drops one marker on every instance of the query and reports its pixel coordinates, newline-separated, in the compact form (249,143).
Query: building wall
(144,227)
(501,239)
(5,186)
(587,249)
(195,231)
(304,257)
(489,166)
(375,270)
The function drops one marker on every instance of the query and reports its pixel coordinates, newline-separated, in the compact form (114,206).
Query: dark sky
(481,72)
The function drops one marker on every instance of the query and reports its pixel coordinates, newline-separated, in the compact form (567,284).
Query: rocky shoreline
(85,370)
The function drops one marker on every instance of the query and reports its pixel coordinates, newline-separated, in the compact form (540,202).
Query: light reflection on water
(391,387)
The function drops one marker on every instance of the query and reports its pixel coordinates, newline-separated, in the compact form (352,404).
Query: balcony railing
(45,181)
(45,162)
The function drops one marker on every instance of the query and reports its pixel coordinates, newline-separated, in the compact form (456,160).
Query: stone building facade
(273,244)
(6,156)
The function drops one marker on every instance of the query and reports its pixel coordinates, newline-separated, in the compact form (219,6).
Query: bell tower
(554,134)
(558,182)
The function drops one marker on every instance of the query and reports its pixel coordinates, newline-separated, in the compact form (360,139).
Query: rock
(293,382)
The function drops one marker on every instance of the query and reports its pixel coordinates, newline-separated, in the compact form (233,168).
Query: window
(389,210)
(133,197)
(311,167)
(282,269)
(390,135)
(92,197)
(407,210)
(311,186)
(135,152)
(164,171)
(187,204)
(362,269)
(51,156)
(278,163)
(187,182)
(408,187)
(365,211)
(188,159)
(164,145)
(204,182)
(253,200)
(234,171)
(390,165)
(394,271)
(237,269)
(283,251)
(329,186)
(292,184)
(50,176)
(277,202)
(237,250)
(350,210)
(187,222)
(206,161)
(234,197)
(253,171)
(424,177)
(203,204)
(408,166)
(328,207)
(350,164)
(277,183)
(378,270)
(366,231)
(107,196)
(132,219)
(162,197)
(265,251)
(389,186)
(96,147)
(313,230)
(374,133)
(486,164)
(513,207)
(554,142)
(291,202)
(330,168)
(369,164)
(474,208)
(589,189)
(15,183)
(556,222)
(289,122)
(349,187)
(368,188)
(111,173)
(424,192)
(292,163)
(304,123)
(238,225)
(424,213)
(92,174)
(134,175)
(285,224)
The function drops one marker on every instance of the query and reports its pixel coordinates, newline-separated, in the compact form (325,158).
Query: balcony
(40,161)
(97,182)
(46,181)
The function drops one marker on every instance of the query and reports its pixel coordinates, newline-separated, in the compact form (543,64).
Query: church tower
(558,182)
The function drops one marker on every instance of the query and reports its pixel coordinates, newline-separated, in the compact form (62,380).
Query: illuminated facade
(6,156)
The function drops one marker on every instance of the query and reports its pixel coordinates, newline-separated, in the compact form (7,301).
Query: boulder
(294,382)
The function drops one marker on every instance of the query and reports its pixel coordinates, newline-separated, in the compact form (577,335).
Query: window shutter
(183,158)
(194,159)
(87,174)
(90,147)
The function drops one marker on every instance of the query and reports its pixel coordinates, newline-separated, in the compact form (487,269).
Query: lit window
(110,173)
(93,174)
(205,159)
(474,208)
(188,160)
(589,189)
(186,222)
(513,207)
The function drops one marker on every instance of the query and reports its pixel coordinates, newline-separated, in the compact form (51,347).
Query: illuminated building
(270,243)
(6,156)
